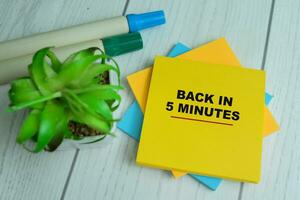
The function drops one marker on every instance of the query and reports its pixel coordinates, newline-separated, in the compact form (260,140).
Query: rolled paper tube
(59,38)
(81,33)
(18,67)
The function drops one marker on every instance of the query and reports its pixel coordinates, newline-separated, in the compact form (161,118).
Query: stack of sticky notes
(200,113)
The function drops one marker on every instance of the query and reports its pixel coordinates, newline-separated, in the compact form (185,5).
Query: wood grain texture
(281,158)
(111,173)
(24,175)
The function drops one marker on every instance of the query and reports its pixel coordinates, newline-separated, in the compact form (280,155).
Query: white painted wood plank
(111,173)
(24,175)
(281,158)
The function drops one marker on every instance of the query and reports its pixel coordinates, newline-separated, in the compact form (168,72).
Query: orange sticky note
(270,124)
(216,52)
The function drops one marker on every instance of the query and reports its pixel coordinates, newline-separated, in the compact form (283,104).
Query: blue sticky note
(210,182)
(178,49)
(268,98)
(132,122)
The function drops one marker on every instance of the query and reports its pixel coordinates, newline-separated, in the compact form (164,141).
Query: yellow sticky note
(216,52)
(204,109)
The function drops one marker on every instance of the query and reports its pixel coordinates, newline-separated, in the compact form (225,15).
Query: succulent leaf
(98,105)
(94,70)
(29,127)
(23,90)
(50,117)
(37,71)
(56,64)
(61,131)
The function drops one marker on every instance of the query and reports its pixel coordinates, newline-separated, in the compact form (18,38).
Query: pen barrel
(59,38)
(18,67)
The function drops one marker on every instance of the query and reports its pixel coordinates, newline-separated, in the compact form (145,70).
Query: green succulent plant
(57,92)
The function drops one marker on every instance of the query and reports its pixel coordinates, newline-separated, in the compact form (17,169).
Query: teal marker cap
(121,44)
(137,22)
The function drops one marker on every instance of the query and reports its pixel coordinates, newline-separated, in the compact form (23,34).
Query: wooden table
(265,34)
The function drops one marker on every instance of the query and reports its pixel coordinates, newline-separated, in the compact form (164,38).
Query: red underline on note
(200,120)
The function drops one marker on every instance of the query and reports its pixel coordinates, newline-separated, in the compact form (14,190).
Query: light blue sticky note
(210,182)
(178,49)
(132,121)
(268,98)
